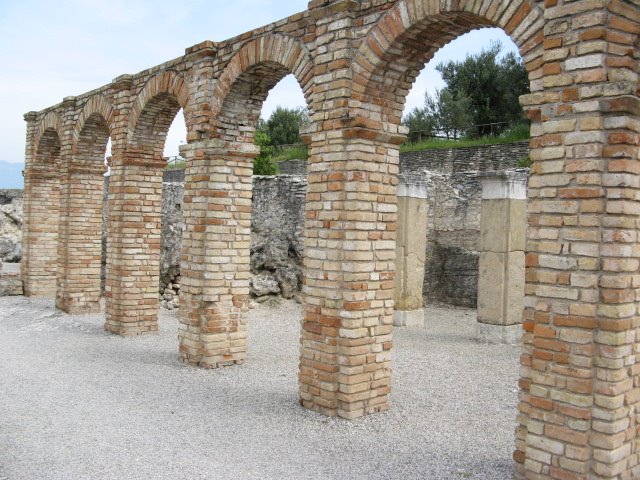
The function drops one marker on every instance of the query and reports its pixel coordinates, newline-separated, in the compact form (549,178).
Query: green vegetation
(279,139)
(516,134)
(264,164)
(480,98)
(175,163)
(524,162)
(283,126)
(297,151)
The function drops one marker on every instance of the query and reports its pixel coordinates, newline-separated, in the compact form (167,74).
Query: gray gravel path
(76,403)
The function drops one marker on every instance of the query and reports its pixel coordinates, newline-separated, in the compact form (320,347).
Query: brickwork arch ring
(169,83)
(48,138)
(97,105)
(405,38)
(51,121)
(284,51)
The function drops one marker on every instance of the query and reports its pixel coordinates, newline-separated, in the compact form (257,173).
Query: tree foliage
(263,164)
(481,90)
(452,113)
(492,83)
(282,128)
(284,125)
(420,124)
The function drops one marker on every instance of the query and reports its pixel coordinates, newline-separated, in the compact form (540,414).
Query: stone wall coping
(511,184)
(414,186)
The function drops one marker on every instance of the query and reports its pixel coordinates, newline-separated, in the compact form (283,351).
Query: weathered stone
(10,225)
(10,284)
(289,280)
(263,284)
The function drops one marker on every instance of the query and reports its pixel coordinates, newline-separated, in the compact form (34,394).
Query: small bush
(264,164)
(524,162)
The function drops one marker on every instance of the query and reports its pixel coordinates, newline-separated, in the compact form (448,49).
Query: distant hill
(11,175)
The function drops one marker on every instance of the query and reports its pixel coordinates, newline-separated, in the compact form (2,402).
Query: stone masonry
(410,251)
(355,62)
(502,245)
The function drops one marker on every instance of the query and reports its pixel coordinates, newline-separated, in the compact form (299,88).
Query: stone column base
(495,334)
(409,318)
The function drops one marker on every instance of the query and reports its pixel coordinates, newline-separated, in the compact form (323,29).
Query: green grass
(175,165)
(299,152)
(290,152)
(517,134)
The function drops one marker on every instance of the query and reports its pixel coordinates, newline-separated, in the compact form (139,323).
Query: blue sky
(50,50)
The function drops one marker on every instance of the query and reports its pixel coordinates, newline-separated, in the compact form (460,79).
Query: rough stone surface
(451,275)
(277,223)
(446,161)
(172,228)
(11,225)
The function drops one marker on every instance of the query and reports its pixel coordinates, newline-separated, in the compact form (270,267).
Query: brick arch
(93,129)
(254,70)
(98,105)
(154,109)
(395,51)
(48,140)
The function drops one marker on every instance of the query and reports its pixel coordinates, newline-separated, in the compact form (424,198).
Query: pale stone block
(410,253)
(498,334)
(409,318)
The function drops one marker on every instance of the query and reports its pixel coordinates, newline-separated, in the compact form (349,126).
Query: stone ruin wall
(453,219)
(451,274)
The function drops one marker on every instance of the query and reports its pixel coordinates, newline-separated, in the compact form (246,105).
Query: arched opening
(443,176)
(135,208)
(215,297)
(392,57)
(172,224)
(42,207)
(277,218)
(48,150)
(82,242)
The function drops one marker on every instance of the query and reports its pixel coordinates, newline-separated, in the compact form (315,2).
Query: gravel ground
(79,404)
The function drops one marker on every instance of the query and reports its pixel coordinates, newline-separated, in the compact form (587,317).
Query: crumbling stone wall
(10,225)
(445,160)
(454,160)
(277,221)
(452,237)
(277,224)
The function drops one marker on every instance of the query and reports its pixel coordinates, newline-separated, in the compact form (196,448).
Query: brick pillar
(41,207)
(133,252)
(580,374)
(411,246)
(349,264)
(214,294)
(503,221)
(80,246)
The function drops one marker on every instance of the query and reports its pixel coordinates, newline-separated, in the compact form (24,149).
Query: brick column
(41,207)
(214,294)
(503,221)
(349,272)
(80,247)
(411,246)
(580,375)
(133,253)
